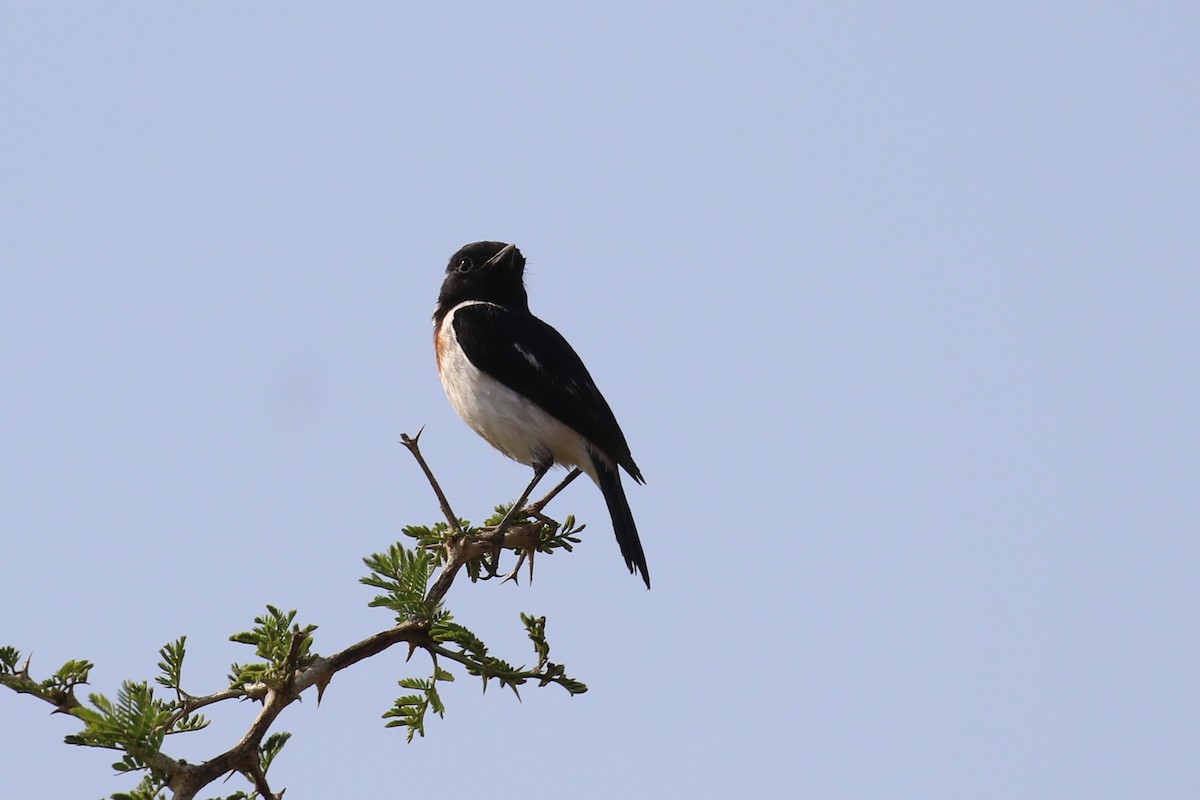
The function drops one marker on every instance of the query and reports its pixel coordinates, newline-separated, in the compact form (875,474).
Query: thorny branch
(414,447)
(62,698)
(185,779)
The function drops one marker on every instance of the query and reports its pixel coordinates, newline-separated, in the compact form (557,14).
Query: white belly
(512,424)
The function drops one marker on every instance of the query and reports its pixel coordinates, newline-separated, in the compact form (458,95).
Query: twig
(259,778)
(190,705)
(457,560)
(323,668)
(547,673)
(414,447)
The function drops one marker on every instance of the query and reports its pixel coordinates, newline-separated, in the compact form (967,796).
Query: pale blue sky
(898,307)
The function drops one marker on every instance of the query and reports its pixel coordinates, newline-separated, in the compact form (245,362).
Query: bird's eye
(464,265)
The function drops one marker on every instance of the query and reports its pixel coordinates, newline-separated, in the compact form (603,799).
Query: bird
(517,383)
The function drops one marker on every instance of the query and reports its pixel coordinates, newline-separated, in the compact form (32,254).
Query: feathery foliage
(137,722)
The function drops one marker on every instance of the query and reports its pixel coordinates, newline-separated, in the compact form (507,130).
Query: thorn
(514,576)
(412,648)
(411,441)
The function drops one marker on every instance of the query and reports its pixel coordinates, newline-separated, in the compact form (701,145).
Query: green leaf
(435,701)
(500,513)
(403,575)
(271,747)
(171,664)
(68,676)
(535,628)
(135,723)
(272,637)
(9,658)
(409,712)
(564,537)
(433,539)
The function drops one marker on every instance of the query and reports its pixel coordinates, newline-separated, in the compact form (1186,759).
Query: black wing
(530,357)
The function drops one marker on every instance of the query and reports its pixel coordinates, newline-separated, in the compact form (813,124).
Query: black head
(489,271)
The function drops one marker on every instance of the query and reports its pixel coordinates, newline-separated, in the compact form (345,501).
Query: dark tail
(622,518)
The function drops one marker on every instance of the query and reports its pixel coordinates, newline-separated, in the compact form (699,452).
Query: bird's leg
(539,471)
(536,508)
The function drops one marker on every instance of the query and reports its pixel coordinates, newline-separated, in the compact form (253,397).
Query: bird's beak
(503,254)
